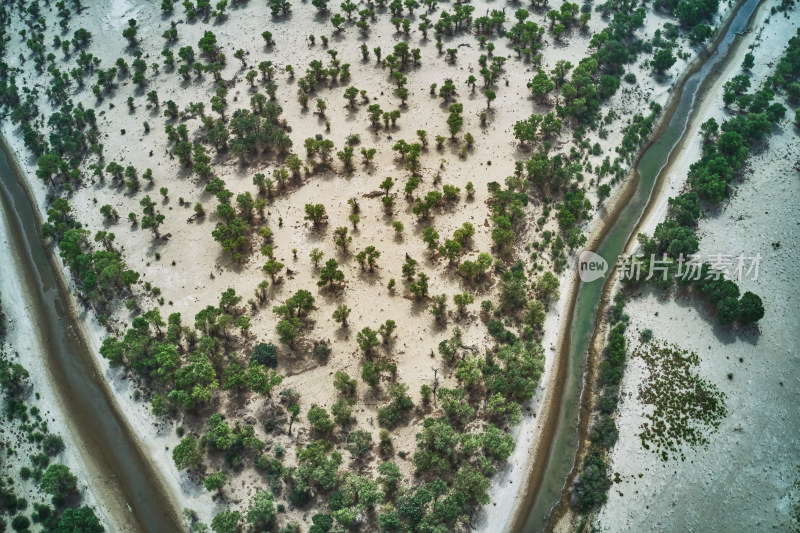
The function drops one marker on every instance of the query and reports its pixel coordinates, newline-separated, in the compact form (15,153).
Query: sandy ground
(196,280)
(21,346)
(741,481)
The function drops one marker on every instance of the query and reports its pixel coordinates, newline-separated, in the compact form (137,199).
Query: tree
(337,20)
(386,329)
(367,340)
(294,414)
(472,485)
(58,481)
(386,185)
(419,288)
(315,213)
(350,94)
(342,412)
(751,308)
(215,481)
(370,375)
(359,443)
(369,255)
(462,300)
(344,384)
(431,237)
(454,123)
(438,307)
(153,222)
(262,381)
(341,313)
(490,95)
(340,237)
(262,509)
(728,310)
(187,454)
(226,522)
(272,267)
(320,420)
(662,60)
(130,32)
(265,354)
(330,273)
(316,255)
(547,287)
(81,519)
(288,329)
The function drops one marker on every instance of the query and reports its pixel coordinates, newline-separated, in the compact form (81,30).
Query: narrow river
(125,477)
(562,448)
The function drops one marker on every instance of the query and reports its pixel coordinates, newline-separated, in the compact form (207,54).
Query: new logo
(591,266)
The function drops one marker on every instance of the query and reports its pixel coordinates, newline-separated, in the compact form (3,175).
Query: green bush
(265,354)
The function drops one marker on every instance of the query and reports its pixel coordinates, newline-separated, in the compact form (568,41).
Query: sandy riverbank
(741,480)
(22,346)
(508,484)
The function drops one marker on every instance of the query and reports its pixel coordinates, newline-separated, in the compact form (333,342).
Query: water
(126,475)
(562,452)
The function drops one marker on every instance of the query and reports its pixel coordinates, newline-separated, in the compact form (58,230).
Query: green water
(562,453)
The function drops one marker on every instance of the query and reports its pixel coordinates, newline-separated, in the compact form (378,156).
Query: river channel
(546,492)
(125,480)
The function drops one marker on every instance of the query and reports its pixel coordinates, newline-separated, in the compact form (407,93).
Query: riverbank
(530,466)
(105,467)
(23,346)
(741,480)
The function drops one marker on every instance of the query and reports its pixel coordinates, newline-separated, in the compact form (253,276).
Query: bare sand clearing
(741,481)
(201,272)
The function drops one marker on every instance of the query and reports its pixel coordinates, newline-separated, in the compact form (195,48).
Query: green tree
(344,383)
(751,308)
(187,454)
(386,185)
(462,300)
(265,354)
(263,381)
(386,329)
(342,412)
(419,288)
(261,510)
(272,267)
(316,255)
(340,237)
(288,330)
(330,274)
(315,213)
(226,522)
(341,313)
(320,419)
(370,375)
(663,60)
(369,255)
(58,481)
(215,481)
(359,443)
(81,519)
(367,340)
